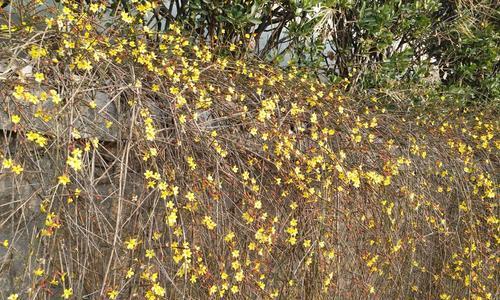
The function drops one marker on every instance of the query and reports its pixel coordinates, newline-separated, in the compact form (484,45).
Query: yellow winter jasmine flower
(38,272)
(207,221)
(113,294)
(37,52)
(193,278)
(235,289)
(63,179)
(130,273)
(67,293)
(213,290)
(127,18)
(39,77)
(157,235)
(190,196)
(83,63)
(158,290)
(75,134)
(18,169)
(94,7)
(75,160)
(18,92)
(152,175)
(262,285)
(37,138)
(239,276)
(258,204)
(13,297)
(444,296)
(191,162)
(172,218)
(15,119)
(372,290)
(131,243)
(56,99)
(7,163)
(229,237)
(95,142)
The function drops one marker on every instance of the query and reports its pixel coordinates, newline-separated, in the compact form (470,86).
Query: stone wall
(20,196)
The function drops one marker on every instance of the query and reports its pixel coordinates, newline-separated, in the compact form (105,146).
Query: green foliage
(468,54)
(374,43)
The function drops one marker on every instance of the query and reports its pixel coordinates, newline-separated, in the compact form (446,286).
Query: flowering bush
(143,166)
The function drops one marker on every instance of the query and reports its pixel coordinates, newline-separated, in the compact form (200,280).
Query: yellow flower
(191,162)
(7,163)
(75,160)
(37,138)
(239,276)
(13,297)
(182,119)
(207,221)
(15,119)
(229,237)
(18,169)
(131,243)
(38,272)
(112,294)
(262,285)
(444,297)
(258,204)
(55,97)
(130,273)
(150,253)
(37,52)
(190,196)
(127,18)
(75,134)
(83,63)
(213,290)
(158,290)
(156,235)
(94,7)
(67,293)
(235,289)
(63,179)
(5,243)
(172,218)
(39,77)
